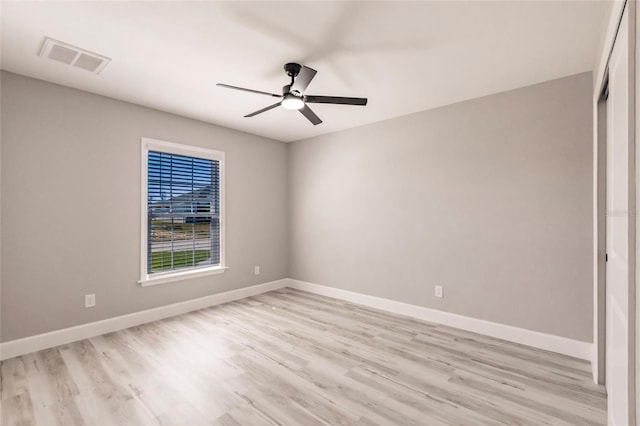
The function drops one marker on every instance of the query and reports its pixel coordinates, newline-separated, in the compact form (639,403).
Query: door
(617,233)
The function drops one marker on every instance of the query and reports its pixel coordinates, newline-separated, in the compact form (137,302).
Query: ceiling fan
(293,96)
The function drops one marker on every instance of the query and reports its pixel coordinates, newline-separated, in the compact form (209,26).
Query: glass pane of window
(183,212)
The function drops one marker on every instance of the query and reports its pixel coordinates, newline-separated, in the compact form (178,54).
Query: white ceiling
(404,56)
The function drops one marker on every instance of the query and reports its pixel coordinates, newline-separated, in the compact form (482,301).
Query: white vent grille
(74,56)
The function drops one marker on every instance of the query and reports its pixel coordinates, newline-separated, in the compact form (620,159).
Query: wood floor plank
(17,410)
(101,394)
(289,357)
(14,378)
(246,414)
(52,390)
(299,391)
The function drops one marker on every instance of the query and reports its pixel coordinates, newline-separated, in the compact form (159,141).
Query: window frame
(147,145)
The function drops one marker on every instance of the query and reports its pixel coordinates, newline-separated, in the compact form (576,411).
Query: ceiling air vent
(72,55)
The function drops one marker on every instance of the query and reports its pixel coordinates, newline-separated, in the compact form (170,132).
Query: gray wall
(71,206)
(491,198)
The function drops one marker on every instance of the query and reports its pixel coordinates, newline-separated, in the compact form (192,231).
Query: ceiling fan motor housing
(292,69)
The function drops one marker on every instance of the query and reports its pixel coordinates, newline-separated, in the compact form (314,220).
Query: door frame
(600,241)
(599,205)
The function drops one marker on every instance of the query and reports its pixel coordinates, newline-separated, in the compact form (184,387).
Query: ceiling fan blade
(302,80)
(311,116)
(248,90)
(260,111)
(335,100)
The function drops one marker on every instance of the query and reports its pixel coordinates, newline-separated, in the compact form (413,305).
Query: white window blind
(183,212)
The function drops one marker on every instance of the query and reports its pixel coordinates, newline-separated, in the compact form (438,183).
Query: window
(182,212)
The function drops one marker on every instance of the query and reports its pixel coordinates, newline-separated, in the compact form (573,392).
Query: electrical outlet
(439,291)
(89,300)
(256,270)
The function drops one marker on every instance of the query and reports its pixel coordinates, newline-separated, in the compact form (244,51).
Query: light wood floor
(294,358)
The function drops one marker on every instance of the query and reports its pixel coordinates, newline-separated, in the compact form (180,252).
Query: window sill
(179,276)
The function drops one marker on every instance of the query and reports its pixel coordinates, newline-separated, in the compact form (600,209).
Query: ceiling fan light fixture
(292,102)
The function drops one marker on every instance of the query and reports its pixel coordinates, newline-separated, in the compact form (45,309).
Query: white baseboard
(549,342)
(39,342)
(536,339)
